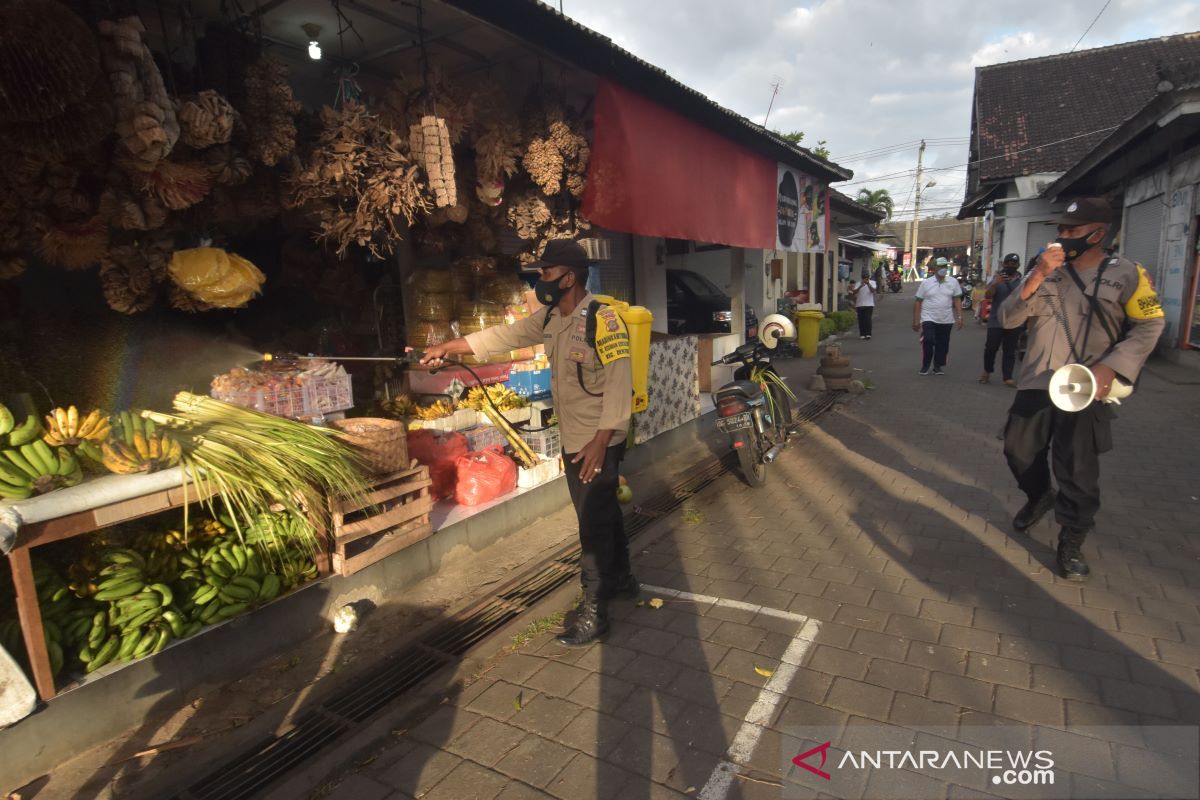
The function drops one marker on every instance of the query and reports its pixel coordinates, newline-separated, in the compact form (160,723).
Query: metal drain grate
(445,643)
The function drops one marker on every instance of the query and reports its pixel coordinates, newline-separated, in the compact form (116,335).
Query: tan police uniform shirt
(580,414)
(1058,307)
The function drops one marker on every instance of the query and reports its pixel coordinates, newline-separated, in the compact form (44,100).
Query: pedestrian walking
(936,312)
(1080,306)
(592,389)
(1000,338)
(864,304)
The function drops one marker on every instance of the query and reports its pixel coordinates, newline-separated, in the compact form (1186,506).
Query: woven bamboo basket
(381,443)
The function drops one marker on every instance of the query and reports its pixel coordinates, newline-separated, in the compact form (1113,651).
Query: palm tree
(879,200)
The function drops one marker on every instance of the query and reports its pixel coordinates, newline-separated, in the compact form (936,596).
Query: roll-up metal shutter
(1039,233)
(1142,235)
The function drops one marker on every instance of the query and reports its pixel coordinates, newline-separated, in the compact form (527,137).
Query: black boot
(590,623)
(627,588)
(1071,564)
(1032,511)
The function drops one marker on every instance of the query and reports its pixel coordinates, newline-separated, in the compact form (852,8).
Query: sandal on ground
(985,377)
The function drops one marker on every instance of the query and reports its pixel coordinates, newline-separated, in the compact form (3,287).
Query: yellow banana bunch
(400,406)
(65,426)
(145,454)
(503,397)
(438,410)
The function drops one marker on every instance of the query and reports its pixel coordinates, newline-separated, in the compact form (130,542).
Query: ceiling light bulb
(314,50)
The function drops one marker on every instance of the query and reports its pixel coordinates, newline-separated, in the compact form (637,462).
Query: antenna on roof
(778,82)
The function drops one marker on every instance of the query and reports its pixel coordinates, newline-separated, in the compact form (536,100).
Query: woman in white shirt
(863,296)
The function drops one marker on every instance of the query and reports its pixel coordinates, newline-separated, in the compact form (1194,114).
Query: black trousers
(935,344)
(605,557)
(998,338)
(1072,440)
(864,320)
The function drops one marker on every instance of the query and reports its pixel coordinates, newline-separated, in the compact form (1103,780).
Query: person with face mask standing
(592,386)
(1081,306)
(997,335)
(863,296)
(936,312)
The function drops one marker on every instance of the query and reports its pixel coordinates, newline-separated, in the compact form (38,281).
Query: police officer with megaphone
(1086,307)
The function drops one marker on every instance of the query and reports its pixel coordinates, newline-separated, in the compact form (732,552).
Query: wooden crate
(393,516)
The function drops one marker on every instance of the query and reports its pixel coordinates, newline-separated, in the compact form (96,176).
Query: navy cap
(1083,210)
(563,253)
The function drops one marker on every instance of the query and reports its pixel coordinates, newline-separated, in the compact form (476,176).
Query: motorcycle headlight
(722,316)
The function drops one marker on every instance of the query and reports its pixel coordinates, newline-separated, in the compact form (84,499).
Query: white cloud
(865,74)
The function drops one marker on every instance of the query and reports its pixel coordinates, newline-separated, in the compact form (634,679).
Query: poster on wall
(801,212)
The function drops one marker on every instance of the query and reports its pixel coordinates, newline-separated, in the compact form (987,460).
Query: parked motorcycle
(755,407)
(967,287)
(894,283)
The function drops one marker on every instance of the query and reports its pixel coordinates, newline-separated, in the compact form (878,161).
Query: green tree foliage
(879,199)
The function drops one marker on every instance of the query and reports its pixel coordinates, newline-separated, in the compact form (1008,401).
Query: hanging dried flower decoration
(11,266)
(146,121)
(359,180)
(270,112)
(48,60)
(177,185)
(408,99)
(206,120)
(74,245)
(131,275)
(228,166)
(429,143)
(130,212)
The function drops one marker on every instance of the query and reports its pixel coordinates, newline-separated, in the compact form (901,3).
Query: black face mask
(1074,248)
(1010,270)
(549,293)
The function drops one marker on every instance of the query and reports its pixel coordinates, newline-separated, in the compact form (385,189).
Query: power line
(980,161)
(1089,27)
(896,148)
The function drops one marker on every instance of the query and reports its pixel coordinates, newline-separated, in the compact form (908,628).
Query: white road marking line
(769,698)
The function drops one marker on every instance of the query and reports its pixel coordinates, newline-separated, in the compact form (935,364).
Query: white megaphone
(1073,388)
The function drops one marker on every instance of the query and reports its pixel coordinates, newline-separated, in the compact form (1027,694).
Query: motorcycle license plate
(735,423)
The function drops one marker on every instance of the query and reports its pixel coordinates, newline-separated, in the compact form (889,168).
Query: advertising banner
(802,218)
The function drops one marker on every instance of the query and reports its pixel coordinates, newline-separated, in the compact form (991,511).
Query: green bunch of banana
(141,618)
(234,580)
(35,468)
(64,426)
(17,435)
(276,535)
(138,446)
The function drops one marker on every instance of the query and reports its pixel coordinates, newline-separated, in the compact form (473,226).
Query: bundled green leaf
(258,461)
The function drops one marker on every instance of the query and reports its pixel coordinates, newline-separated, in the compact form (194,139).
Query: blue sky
(867,74)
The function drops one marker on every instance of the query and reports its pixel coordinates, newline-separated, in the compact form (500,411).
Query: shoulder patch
(1144,303)
(612,338)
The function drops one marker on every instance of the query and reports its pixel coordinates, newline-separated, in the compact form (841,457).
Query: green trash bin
(808,325)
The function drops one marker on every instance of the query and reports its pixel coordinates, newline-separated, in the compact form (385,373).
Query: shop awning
(656,173)
(876,246)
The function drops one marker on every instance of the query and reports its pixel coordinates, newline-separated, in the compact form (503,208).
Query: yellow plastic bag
(215,277)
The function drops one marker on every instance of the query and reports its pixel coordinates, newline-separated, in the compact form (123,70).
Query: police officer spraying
(1084,307)
(592,385)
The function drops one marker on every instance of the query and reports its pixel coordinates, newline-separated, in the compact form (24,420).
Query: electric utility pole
(916,228)
(774,91)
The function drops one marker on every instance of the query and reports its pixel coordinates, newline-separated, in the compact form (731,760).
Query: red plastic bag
(440,452)
(484,476)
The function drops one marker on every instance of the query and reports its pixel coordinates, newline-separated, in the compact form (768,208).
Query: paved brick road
(886,525)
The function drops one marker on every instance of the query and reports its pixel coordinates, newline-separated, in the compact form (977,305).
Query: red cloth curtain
(656,173)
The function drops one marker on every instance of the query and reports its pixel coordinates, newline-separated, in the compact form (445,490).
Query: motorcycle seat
(748,390)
